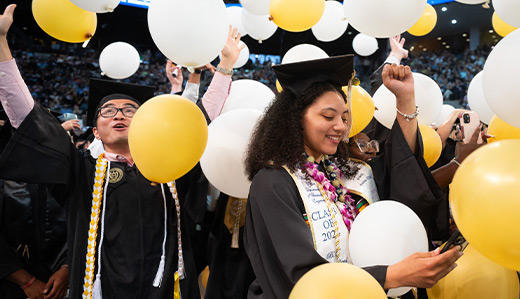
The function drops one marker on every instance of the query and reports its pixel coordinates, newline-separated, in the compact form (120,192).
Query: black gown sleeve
(40,143)
(277,239)
(403,176)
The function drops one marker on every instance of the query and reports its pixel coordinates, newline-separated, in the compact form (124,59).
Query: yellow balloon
(476,277)
(426,23)
(432,144)
(362,109)
(64,21)
(278,86)
(167,137)
(322,283)
(296,15)
(485,200)
(501,27)
(501,130)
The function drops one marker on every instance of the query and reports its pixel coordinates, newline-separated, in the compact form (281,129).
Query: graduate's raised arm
(6,19)
(215,97)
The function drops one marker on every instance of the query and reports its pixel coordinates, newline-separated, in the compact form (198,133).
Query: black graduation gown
(41,152)
(32,234)
(230,272)
(279,242)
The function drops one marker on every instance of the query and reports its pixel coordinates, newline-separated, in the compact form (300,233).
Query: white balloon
(500,79)
(249,94)
(471,1)
(303,52)
(477,100)
(98,6)
(256,7)
(428,97)
(235,19)
(258,27)
(119,60)
(223,159)
(446,111)
(385,233)
(332,24)
(383,18)
(364,45)
(200,44)
(242,58)
(508,11)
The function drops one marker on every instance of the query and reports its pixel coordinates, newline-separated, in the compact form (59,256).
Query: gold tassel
(176,287)
(234,238)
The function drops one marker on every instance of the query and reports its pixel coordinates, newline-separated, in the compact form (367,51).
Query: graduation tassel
(160,271)
(96,292)
(234,239)
(176,287)
(158,277)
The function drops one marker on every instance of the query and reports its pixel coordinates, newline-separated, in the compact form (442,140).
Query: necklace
(333,188)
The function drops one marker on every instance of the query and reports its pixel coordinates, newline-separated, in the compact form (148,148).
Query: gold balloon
(501,130)
(362,109)
(167,137)
(296,15)
(485,200)
(337,280)
(501,27)
(426,23)
(476,277)
(432,144)
(64,21)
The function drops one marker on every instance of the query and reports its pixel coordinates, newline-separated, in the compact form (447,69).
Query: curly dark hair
(278,138)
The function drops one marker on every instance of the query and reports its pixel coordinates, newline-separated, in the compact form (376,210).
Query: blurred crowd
(57,73)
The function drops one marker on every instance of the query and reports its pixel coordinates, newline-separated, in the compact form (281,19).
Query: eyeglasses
(365,146)
(112,111)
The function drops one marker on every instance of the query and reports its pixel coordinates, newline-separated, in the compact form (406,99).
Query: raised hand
(399,80)
(6,19)
(176,81)
(397,47)
(231,50)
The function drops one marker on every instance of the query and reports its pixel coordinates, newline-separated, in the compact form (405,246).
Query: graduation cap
(297,77)
(102,91)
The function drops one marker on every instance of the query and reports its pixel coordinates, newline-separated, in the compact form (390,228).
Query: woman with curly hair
(298,211)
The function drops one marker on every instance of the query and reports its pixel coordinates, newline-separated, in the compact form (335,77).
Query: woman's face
(324,124)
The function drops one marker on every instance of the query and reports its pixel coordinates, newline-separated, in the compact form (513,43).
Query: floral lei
(335,191)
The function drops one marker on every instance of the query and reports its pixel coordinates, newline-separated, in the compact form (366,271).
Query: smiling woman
(299,210)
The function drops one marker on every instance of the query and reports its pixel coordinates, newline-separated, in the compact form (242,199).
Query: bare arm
(5,23)
(399,80)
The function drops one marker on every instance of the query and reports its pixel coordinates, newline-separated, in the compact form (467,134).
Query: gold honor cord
(97,195)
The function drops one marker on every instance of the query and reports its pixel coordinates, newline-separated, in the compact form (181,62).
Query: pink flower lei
(338,195)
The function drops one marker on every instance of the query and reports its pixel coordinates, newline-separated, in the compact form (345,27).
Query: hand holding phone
(456,239)
(469,122)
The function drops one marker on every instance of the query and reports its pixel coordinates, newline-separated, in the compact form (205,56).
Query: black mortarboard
(299,76)
(101,91)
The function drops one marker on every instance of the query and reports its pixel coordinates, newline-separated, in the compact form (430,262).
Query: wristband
(197,71)
(29,283)
(224,71)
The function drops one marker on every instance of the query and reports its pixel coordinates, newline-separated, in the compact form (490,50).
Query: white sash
(320,221)
(362,183)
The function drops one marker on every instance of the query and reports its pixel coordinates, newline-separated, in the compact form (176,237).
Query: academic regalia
(134,221)
(32,234)
(230,270)
(278,236)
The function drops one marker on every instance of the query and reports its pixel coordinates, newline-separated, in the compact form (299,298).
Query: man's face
(113,131)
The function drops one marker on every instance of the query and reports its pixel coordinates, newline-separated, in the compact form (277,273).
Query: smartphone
(469,122)
(69,116)
(455,239)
